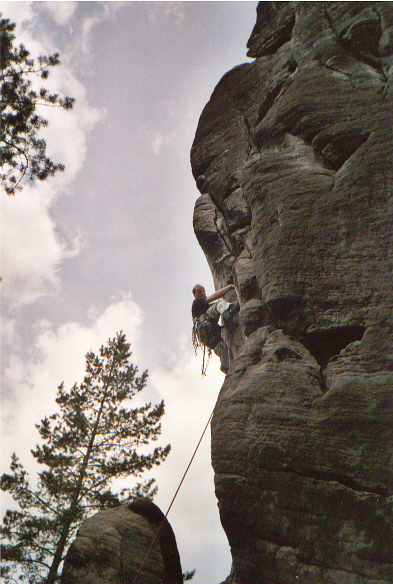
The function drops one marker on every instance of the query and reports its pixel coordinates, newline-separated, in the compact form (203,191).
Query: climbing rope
(227,344)
(174,497)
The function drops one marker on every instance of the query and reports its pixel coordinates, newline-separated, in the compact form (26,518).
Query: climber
(206,313)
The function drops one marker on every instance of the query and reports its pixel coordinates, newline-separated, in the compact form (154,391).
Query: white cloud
(67,131)
(8,332)
(18,12)
(107,10)
(61,11)
(56,355)
(31,249)
(155,139)
(171,10)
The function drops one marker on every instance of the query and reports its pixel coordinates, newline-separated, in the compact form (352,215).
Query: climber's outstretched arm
(219,293)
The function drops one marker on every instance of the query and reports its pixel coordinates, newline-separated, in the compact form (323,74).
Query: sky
(108,245)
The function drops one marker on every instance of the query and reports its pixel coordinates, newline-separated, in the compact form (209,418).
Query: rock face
(111,547)
(293,160)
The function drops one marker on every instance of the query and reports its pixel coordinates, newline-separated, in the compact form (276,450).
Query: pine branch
(43,503)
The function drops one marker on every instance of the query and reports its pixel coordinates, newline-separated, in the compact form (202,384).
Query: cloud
(157,140)
(154,138)
(67,132)
(106,10)
(19,12)
(61,11)
(170,10)
(31,249)
(56,355)
(8,332)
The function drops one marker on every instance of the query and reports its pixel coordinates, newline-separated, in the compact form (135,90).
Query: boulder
(113,547)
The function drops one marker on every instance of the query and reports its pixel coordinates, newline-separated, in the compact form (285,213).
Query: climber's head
(199,291)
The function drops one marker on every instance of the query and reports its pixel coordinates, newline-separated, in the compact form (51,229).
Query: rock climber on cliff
(207,332)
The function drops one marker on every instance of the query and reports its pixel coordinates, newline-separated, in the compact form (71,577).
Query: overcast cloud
(108,245)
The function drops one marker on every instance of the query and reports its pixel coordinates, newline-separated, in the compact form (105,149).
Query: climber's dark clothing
(199,307)
(207,317)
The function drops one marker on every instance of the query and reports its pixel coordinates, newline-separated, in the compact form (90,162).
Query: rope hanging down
(173,500)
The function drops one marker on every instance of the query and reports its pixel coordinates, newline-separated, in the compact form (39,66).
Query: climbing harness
(174,497)
(196,341)
(207,334)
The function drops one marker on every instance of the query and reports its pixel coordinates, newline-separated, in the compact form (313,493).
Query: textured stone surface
(111,546)
(293,159)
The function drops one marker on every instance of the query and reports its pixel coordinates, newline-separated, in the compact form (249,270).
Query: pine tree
(23,153)
(92,440)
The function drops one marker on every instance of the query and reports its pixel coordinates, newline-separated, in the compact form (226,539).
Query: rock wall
(293,160)
(113,547)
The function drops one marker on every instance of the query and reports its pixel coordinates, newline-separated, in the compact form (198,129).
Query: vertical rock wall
(293,160)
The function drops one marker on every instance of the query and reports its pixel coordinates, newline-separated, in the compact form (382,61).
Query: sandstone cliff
(293,160)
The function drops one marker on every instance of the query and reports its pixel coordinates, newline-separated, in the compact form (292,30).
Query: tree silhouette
(93,440)
(23,152)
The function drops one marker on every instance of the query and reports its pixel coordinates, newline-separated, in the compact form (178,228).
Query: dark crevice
(282,308)
(329,476)
(287,313)
(322,381)
(329,19)
(272,96)
(335,150)
(250,139)
(222,236)
(256,356)
(364,40)
(367,60)
(286,354)
(276,539)
(326,344)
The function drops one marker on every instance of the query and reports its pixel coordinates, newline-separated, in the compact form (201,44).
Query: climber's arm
(219,293)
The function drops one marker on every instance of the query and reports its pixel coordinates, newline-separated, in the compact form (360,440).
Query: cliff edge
(293,160)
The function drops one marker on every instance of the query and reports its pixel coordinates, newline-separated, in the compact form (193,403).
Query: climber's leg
(221,350)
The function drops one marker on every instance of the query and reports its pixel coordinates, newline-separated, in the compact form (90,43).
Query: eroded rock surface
(112,546)
(293,159)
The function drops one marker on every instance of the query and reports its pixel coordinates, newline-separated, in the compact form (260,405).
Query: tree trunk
(51,579)
(52,575)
